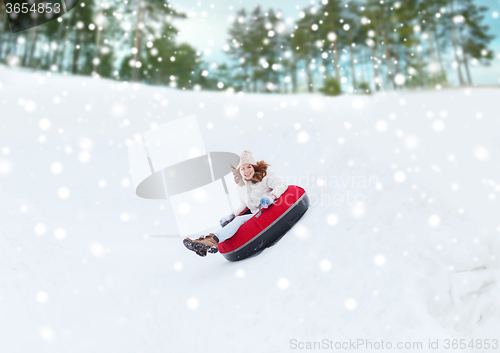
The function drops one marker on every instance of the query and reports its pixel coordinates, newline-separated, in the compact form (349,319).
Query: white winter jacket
(250,194)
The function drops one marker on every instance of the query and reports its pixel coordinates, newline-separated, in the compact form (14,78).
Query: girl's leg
(229,230)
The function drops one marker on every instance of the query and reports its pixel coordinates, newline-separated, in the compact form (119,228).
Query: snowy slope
(415,259)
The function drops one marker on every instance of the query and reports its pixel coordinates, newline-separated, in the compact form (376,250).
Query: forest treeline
(365,45)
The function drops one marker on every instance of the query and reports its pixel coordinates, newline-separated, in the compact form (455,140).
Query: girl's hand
(266,201)
(224,221)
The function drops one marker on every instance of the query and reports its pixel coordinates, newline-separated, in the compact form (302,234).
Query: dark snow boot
(202,245)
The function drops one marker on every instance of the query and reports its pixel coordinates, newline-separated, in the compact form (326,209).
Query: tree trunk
(294,76)
(464,54)
(309,76)
(2,41)
(97,41)
(363,67)
(379,48)
(62,56)
(397,61)
(388,57)
(336,52)
(353,68)
(45,61)
(3,24)
(438,50)
(34,35)
(247,78)
(455,46)
(419,63)
(26,47)
(76,52)
(2,7)
(10,44)
(137,42)
(254,78)
(431,47)
(375,70)
(431,50)
(56,51)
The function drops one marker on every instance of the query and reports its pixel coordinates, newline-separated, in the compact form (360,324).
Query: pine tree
(384,21)
(148,13)
(356,36)
(304,43)
(271,52)
(406,57)
(82,32)
(331,13)
(473,37)
(452,20)
(429,23)
(239,46)
(257,33)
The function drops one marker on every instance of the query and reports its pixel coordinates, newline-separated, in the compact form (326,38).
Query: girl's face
(247,171)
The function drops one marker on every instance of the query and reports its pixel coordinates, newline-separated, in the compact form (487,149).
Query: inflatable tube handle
(260,212)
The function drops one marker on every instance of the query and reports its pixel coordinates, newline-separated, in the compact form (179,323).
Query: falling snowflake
(30,106)
(400,79)
(5,167)
(358,211)
(379,260)
(283,283)
(56,168)
(192,303)
(178,266)
(47,334)
(63,193)
(40,229)
(300,231)
(124,217)
(97,249)
(332,219)
(434,220)
(325,265)
(350,304)
(399,176)
(411,142)
(302,137)
(60,233)
(481,153)
(42,297)
(438,126)
(84,156)
(381,125)
(44,124)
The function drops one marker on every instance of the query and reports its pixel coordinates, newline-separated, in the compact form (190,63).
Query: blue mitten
(266,201)
(224,221)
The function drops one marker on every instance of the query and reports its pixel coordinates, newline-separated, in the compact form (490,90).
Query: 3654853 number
(472,343)
(40,8)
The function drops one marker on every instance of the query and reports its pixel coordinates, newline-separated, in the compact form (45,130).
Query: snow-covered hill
(399,244)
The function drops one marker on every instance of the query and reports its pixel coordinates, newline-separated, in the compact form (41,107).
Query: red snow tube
(262,231)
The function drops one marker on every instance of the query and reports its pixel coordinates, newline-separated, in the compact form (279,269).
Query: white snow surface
(416,259)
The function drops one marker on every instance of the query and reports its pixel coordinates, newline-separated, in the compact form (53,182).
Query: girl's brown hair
(260,171)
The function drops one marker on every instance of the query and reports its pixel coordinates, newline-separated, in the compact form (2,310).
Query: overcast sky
(207,27)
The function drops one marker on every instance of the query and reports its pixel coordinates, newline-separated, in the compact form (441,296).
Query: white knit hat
(246,157)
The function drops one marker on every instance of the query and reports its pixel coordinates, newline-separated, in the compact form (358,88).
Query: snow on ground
(399,244)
